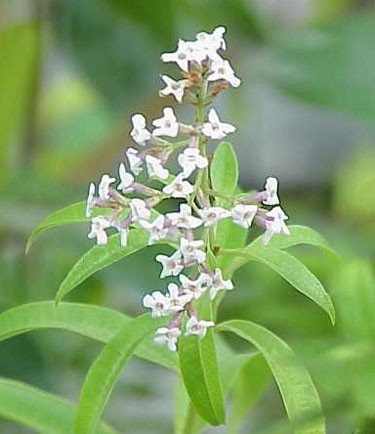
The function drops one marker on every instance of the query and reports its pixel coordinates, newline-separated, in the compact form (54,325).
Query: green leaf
(224,169)
(38,410)
(74,213)
(105,370)
(297,390)
(200,373)
(250,380)
(293,271)
(298,235)
(99,257)
(98,323)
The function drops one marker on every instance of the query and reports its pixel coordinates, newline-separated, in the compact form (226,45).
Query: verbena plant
(206,226)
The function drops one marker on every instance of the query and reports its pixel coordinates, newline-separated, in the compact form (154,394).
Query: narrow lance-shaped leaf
(293,271)
(74,213)
(99,257)
(38,410)
(95,322)
(200,372)
(297,390)
(105,370)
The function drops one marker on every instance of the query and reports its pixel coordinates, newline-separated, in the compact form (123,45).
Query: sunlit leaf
(105,370)
(298,392)
(96,322)
(38,410)
(99,257)
(224,169)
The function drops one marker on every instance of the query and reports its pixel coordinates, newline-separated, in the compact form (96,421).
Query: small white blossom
(179,187)
(158,303)
(172,265)
(126,180)
(166,125)
(139,210)
(271,191)
(168,336)
(190,250)
(222,70)
(104,186)
(197,327)
(173,87)
(139,133)
(135,162)
(184,219)
(243,215)
(177,301)
(211,42)
(195,287)
(186,52)
(156,229)
(190,160)
(155,169)
(124,232)
(90,200)
(98,226)
(275,224)
(216,129)
(211,215)
(219,284)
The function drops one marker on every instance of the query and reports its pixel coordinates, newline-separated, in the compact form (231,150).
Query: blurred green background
(71,74)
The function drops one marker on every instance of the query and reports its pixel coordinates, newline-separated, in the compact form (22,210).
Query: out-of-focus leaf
(38,410)
(19,46)
(200,373)
(99,257)
(333,66)
(298,235)
(105,370)
(74,213)
(294,272)
(96,322)
(298,392)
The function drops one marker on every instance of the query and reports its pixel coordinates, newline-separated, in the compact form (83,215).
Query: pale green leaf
(96,322)
(297,390)
(99,257)
(224,169)
(105,370)
(40,411)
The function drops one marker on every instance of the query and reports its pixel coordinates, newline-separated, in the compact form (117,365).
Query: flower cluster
(127,204)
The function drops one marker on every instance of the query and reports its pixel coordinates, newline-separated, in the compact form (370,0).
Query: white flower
(167,336)
(213,40)
(139,210)
(172,265)
(135,162)
(211,215)
(173,87)
(190,250)
(191,159)
(177,300)
(156,229)
(179,187)
(221,70)
(123,236)
(219,284)
(126,180)
(197,327)
(195,287)
(90,200)
(271,191)
(139,133)
(104,184)
(184,219)
(275,224)
(166,125)
(98,226)
(216,129)
(186,52)
(243,215)
(158,303)
(155,169)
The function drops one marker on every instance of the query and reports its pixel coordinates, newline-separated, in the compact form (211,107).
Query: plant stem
(189,427)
